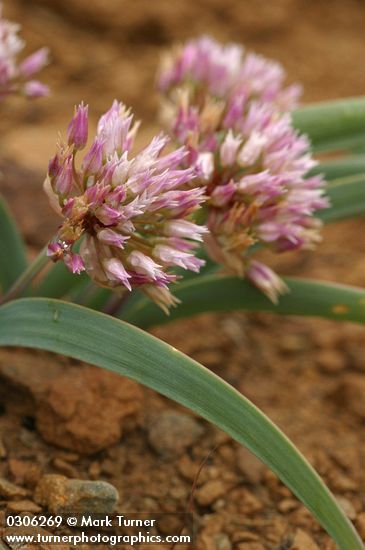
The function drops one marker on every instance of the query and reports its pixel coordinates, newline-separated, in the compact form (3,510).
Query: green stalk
(26,277)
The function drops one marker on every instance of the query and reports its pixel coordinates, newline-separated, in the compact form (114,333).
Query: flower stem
(26,277)
(115,303)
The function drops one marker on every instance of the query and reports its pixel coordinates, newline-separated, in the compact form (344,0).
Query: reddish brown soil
(307,375)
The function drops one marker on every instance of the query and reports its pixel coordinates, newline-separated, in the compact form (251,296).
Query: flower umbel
(216,77)
(230,108)
(16,77)
(132,212)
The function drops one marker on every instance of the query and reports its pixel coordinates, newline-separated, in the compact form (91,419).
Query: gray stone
(62,495)
(171,432)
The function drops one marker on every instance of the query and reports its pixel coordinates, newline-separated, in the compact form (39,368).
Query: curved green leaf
(340,168)
(223,293)
(12,250)
(333,125)
(347,198)
(109,343)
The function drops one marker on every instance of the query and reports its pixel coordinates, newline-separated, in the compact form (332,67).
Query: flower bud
(205,165)
(63,179)
(252,149)
(34,63)
(144,265)
(117,272)
(93,159)
(266,280)
(222,194)
(184,229)
(74,263)
(55,251)
(229,148)
(78,127)
(112,238)
(34,89)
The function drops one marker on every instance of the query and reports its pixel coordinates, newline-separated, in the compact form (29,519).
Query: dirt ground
(58,416)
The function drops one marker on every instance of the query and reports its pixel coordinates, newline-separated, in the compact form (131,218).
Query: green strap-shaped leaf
(332,125)
(109,343)
(340,168)
(347,198)
(222,293)
(12,250)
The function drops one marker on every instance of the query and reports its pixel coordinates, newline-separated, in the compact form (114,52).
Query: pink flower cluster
(225,72)
(229,112)
(230,109)
(132,213)
(17,77)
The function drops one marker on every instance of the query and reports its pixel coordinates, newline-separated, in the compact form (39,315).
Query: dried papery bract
(132,213)
(15,76)
(231,109)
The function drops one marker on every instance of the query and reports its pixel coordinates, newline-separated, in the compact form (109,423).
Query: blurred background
(308,375)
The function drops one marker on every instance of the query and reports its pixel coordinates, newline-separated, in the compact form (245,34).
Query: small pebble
(347,507)
(67,457)
(65,467)
(24,472)
(62,495)
(360,524)
(210,492)
(188,469)
(331,361)
(245,536)
(287,505)
(171,433)
(24,506)
(234,329)
(292,343)
(342,483)
(250,466)
(222,542)
(303,541)
(94,469)
(248,503)
(10,490)
(219,504)
(108,467)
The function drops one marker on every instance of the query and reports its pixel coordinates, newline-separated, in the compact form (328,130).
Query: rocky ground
(60,417)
